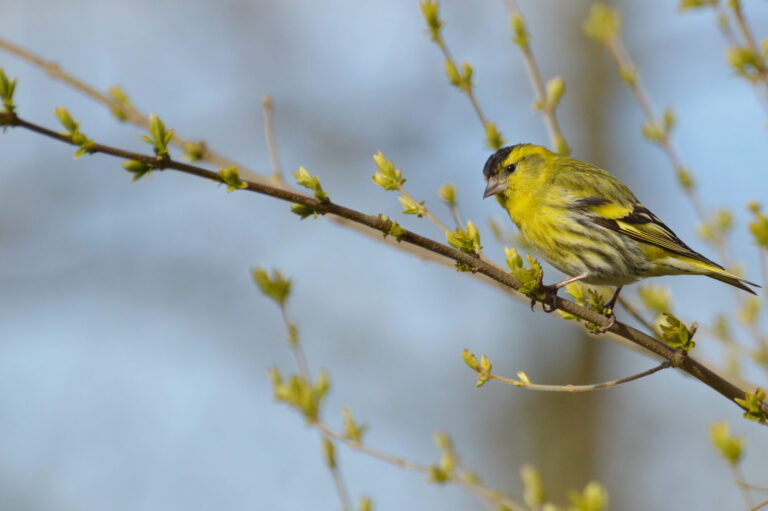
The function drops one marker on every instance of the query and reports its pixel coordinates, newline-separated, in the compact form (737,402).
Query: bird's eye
(510,168)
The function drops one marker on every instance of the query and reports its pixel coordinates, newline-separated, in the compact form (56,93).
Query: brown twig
(268,106)
(556,137)
(677,358)
(579,388)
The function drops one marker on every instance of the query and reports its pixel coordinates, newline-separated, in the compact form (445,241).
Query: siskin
(588,224)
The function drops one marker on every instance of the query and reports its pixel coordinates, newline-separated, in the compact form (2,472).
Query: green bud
(322,383)
(231,177)
(293,334)
(743,59)
(7,88)
(364,504)
(411,207)
(730,447)
(468,240)
(470,359)
(695,4)
(519,33)
(603,23)
(593,498)
(452,72)
(685,179)
(159,137)
(555,91)
(628,75)
(62,114)
(437,475)
(675,333)
(395,230)
(533,493)
(749,311)
(430,11)
(561,146)
(466,77)
(443,441)
(514,261)
(387,177)
(307,180)
(493,138)
(447,194)
(759,226)
(529,278)
(121,103)
(303,211)
(329,453)
(753,405)
(653,132)
(137,168)
(194,151)
(352,430)
(277,288)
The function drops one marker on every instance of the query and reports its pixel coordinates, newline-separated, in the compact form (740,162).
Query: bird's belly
(604,257)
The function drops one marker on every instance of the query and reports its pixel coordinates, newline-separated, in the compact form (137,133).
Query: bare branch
(503,279)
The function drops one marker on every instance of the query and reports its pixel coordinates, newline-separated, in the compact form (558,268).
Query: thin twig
(268,107)
(753,487)
(482,267)
(468,90)
(738,475)
(474,487)
(579,388)
(759,506)
(556,138)
(424,209)
(303,367)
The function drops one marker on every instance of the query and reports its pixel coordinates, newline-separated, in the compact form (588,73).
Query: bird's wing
(637,222)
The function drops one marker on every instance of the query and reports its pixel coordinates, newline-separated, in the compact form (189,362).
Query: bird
(588,224)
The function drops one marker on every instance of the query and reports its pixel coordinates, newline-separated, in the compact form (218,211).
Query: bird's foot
(549,300)
(611,321)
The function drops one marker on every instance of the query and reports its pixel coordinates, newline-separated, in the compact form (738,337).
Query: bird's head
(513,166)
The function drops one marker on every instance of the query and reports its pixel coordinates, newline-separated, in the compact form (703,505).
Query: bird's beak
(495,186)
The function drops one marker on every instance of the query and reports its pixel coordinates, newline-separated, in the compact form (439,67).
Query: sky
(134,346)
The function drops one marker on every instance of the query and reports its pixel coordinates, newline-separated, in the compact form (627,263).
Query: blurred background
(134,345)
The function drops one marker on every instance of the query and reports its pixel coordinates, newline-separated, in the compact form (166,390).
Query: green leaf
(430,11)
(752,405)
(493,138)
(468,240)
(231,177)
(387,177)
(593,498)
(533,493)
(276,287)
(303,211)
(159,136)
(307,180)
(730,447)
(603,23)
(352,430)
(411,207)
(137,168)
(675,333)
(447,194)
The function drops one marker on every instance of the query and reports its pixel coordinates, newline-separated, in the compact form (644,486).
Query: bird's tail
(703,266)
(730,278)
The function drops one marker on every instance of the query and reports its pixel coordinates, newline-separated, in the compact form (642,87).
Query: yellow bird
(588,224)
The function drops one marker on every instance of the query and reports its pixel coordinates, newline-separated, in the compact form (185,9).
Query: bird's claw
(549,302)
(611,321)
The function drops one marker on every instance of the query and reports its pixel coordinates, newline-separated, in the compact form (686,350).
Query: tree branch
(578,388)
(677,358)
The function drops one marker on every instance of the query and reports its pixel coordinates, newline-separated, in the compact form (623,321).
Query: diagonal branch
(524,383)
(677,358)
